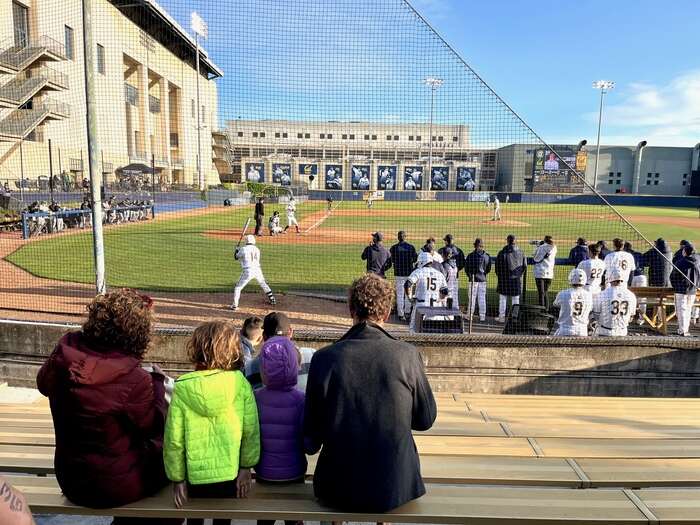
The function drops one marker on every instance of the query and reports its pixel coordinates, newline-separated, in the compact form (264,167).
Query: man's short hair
(594,249)
(618,243)
(276,323)
(371,298)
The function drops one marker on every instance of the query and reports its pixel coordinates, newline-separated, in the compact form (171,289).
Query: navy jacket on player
(477,266)
(452,256)
(378,259)
(510,267)
(577,254)
(687,272)
(403,257)
(659,265)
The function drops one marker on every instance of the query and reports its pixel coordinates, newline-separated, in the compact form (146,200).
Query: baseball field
(192,251)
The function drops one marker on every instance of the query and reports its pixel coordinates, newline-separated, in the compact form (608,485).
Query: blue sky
(539,57)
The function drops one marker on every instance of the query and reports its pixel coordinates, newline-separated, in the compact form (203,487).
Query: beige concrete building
(297,144)
(146,92)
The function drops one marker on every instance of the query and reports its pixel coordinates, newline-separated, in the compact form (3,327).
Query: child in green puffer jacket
(212,435)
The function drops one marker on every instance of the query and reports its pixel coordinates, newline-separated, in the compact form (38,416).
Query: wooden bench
(660,299)
(472,504)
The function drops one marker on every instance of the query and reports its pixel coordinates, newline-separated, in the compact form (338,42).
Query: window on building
(352,137)
(193,109)
(285,135)
(455,139)
(441,139)
(656,183)
(649,175)
(648,183)
(240,133)
(101,59)
(685,176)
(619,174)
(344,136)
(307,135)
(322,136)
(396,137)
(419,138)
(262,134)
(410,138)
(277,135)
(656,175)
(618,182)
(69,42)
(255,134)
(329,136)
(374,137)
(203,113)
(610,182)
(366,137)
(388,137)
(20,20)
(685,182)
(300,136)
(611,174)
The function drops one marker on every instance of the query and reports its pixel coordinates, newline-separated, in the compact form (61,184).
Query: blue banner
(466,179)
(255,172)
(413,178)
(360,177)
(439,178)
(334,177)
(387,178)
(282,174)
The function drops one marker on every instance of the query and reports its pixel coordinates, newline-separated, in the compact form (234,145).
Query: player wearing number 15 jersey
(620,260)
(615,306)
(430,286)
(594,269)
(574,306)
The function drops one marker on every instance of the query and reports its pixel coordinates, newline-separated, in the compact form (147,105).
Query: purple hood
(279,363)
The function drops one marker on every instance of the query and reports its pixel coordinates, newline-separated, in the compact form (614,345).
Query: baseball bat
(245,229)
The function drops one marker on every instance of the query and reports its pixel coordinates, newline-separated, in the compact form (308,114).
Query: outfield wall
(633,366)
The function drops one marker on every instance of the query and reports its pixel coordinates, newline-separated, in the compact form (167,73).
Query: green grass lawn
(174,254)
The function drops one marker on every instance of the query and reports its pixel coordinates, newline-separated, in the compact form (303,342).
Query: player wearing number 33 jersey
(575,306)
(429,284)
(615,306)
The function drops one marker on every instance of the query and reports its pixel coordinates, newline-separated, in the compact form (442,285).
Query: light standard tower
(604,86)
(433,83)
(200,28)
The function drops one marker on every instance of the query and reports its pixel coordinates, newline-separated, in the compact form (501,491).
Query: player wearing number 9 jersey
(574,306)
(615,306)
(620,260)
(594,269)
(430,286)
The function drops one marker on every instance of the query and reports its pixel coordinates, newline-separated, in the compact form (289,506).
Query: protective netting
(357,109)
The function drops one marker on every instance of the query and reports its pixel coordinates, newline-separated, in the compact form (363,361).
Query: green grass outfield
(176,254)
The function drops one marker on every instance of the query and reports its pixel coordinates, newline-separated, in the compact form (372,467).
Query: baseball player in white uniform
(575,305)
(253,174)
(594,269)
(249,257)
(430,286)
(496,209)
(620,260)
(410,184)
(291,215)
(274,225)
(615,306)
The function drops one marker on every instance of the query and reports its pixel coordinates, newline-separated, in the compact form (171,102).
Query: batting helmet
(424,258)
(250,239)
(578,277)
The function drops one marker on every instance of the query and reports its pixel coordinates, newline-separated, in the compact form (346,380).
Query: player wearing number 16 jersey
(620,260)
(574,306)
(615,306)
(594,269)
(430,286)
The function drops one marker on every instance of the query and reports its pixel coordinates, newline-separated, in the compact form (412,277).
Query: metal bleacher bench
(660,299)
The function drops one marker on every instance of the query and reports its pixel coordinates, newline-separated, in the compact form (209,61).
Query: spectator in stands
(212,436)
(6,190)
(366,393)
(544,258)
(108,411)
(615,306)
(477,266)
(579,252)
(685,280)
(679,252)
(377,256)
(403,257)
(604,250)
(277,326)
(510,267)
(13,506)
(658,260)
(251,336)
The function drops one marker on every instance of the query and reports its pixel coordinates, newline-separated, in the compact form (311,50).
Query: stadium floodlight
(604,86)
(433,83)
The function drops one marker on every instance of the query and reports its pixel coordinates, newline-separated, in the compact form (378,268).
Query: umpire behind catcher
(377,256)
(259,214)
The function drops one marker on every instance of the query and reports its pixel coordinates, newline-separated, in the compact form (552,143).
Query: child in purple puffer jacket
(281,415)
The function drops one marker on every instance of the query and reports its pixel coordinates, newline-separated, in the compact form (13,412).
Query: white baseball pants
(684,311)
(292,221)
(247,276)
(403,307)
(477,291)
(640,281)
(453,286)
(503,303)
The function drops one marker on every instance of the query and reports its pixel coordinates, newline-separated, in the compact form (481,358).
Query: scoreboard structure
(558,172)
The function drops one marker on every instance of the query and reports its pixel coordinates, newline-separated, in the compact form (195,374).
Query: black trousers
(258,224)
(225,489)
(542,289)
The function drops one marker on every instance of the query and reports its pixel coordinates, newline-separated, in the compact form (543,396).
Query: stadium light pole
(433,83)
(200,28)
(604,86)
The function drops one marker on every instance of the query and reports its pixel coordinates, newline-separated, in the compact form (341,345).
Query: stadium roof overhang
(156,21)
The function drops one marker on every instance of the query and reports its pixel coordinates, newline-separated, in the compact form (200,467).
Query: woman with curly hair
(108,412)
(364,395)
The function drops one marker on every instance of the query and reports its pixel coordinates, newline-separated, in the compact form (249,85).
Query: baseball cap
(615,275)
(447,238)
(250,239)
(378,236)
(424,258)
(276,323)
(577,276)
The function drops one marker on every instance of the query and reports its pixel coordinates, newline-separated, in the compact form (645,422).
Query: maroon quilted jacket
(109,418)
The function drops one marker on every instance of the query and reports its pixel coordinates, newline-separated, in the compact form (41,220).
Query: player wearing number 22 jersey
(575,306)
(615,306)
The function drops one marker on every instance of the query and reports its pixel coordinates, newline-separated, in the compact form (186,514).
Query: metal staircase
(26,85)
(21,122)
(18,58)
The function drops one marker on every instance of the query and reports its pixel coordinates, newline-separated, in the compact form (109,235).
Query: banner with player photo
(360,177)
(334,177)
(308,170)
(282,174)
(413,178)
(255,172)
(439,178)
(466,179)
(386,179)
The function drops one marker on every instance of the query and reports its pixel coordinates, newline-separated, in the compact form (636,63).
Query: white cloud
(432,10)
(664,115)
